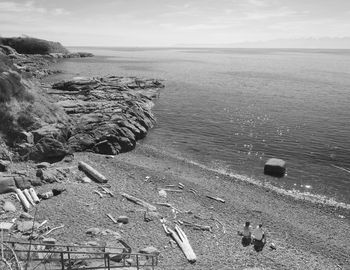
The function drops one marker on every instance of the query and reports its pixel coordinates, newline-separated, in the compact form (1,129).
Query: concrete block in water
(275,167)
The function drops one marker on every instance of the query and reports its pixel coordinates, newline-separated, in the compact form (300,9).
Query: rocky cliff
(106,115)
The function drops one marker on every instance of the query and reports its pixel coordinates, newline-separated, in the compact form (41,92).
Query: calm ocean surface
(232,109)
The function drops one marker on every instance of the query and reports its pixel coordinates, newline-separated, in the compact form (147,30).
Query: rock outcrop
(110,113)
(106,115)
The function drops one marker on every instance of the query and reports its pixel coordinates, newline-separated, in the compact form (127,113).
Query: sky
(175,22)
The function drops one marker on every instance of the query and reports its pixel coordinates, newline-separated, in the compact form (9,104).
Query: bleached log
(216,199)
(169,205)
(34,195)
(107,191)
(99,193)
(112,218)
(182,240)
(140,202)
(94,174)
(23,199)
(29,198)
(197,226)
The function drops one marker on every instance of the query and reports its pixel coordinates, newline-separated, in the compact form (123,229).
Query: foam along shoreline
(295,194)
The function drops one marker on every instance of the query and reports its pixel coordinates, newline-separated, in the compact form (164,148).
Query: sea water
(229,110)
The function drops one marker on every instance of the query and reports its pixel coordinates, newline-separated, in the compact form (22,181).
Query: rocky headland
(104,115)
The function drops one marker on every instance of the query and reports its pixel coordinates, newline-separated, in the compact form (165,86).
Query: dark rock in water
(275,167)
(48,149)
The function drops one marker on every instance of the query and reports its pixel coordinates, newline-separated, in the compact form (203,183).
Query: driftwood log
(91,172)
(182,240)
(34,195)
(140,202)
(216,199)
(29,197)
(23,199)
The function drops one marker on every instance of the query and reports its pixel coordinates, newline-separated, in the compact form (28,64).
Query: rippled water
(232,109)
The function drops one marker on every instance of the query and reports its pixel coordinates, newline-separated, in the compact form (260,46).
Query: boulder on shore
(275,167)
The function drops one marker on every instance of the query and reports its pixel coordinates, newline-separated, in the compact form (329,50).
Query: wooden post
(68,255)
(108,262)
(62,261)
(137,261)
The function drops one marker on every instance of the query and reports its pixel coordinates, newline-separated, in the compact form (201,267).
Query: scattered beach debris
(216,199)
(53,229)
(172,190)
(181,239)
(112,218)
(91,172)
(99,193)
(195,226)
(162,193)
(192,190)
(272,246)
(139,202)
(169,205)
(107,191)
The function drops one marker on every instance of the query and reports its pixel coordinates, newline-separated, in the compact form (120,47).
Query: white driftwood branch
(53,229)
(216,199)
(182,240)
(99,193)
(112,218)
(140,202)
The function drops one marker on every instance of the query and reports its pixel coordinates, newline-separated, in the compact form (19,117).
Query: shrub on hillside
(29,45)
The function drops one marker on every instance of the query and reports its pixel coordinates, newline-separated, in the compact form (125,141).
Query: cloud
(29,7)
(60,11)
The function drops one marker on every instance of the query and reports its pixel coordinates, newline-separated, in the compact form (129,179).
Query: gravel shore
(306,235)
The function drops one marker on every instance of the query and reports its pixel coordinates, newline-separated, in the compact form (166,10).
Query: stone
(86,180)
(4,165)
(104,148)
(7,184)
(151,215)
(150,250)
(275,167)
(27,226)
(123,219)
(48,149)
(9,207)
(48,176)
(43,165)
(26,216)
(93,231)
(22,182)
